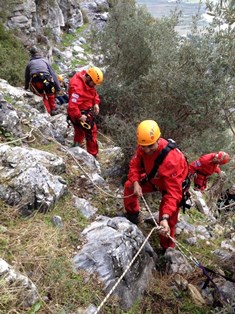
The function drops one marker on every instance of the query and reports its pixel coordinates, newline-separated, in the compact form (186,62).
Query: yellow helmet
(96,75)
(148,132)
(60,78)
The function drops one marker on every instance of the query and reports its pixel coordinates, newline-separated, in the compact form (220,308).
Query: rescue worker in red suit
(169,179)
(83,97)
(42,80)
(205,166)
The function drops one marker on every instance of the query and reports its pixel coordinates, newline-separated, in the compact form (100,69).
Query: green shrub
(13,58)
(152,72)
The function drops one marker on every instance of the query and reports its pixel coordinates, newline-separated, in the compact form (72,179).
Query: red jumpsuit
(42,80)
(203,168)
(46,93)
(170,176)
(82,98)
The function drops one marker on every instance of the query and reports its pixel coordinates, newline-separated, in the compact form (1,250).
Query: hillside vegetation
(185,84)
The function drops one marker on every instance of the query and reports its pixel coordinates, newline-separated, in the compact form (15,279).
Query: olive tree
(184,83)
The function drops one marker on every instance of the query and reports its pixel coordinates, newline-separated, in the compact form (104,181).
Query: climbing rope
(35,91)
(126,270)
(189,256)
(181,248)
(28,135)
(104,136)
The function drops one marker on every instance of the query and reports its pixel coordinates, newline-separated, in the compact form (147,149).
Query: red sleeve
(73,105)
(172,174)
(96,99)
(202,164)
(135,167)
(73,108)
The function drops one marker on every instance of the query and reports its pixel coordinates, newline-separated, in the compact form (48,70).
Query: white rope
(158,228)
(227,206)
(19,139)
(124,273)
(108,139)
(151,214)
(181,248)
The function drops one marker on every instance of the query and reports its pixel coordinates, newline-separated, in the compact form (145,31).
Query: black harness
(45,79)
(158,161)
(88,124)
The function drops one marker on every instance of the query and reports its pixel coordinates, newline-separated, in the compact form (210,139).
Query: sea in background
(190,8)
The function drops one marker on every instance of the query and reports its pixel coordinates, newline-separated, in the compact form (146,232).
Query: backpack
(158,161)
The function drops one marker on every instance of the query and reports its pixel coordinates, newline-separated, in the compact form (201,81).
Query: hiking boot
(149,220)
(135,218)
(76,144)
(160,251)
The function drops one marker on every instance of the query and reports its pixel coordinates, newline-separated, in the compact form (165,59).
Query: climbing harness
(41,81)
(88,124)
(186,195)
(157,162)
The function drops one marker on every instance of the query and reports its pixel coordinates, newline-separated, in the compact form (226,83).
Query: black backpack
(158,161)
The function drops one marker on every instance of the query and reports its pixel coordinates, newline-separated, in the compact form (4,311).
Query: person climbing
(170,177)
(42,79)
(205,166)
(83,105)
(62,95)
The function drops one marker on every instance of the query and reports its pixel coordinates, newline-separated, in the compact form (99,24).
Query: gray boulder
(111,245)
(28,178)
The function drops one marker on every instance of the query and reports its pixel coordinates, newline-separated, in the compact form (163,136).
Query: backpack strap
(158,161)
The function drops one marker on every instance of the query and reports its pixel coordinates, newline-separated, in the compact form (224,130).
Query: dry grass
(43,252)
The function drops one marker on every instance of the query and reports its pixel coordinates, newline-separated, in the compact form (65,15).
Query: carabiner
(85,125)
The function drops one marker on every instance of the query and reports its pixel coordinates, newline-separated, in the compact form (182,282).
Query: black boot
(135,218)
(150,221)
